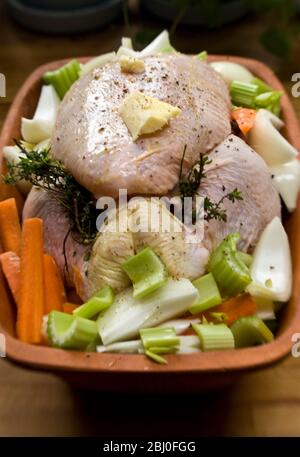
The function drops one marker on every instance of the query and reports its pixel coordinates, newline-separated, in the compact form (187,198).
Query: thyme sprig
(189,187)
(41,170)
(215,210)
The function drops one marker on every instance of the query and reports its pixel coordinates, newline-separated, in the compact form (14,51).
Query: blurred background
(33,32)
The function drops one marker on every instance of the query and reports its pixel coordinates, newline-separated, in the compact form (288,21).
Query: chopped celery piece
(214,337)
(202,55)
(209,295)
(97,303)
(163,349)
(159,337)
(269,101)
(229,271)
(70,332)
(63,78)
(243,94)
(159,340)
(146,272)
(261,86)
(250,331)
(245,258)
(155,357)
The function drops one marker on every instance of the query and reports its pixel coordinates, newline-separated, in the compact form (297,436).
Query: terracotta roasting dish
(135,373)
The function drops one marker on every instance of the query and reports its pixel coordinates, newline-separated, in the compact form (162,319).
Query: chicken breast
(235,165)
(93,142)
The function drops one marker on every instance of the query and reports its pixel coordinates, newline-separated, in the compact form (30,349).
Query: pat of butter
(131,65)
(143,114)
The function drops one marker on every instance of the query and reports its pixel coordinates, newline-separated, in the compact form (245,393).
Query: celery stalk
(214,337)
(250,331)
(63,78)
(209,295)
(159,337)
(229,271)
(155,357)
(261,85)
(269,101)
(70,332)
(146,272)
(243,94)
(97,303)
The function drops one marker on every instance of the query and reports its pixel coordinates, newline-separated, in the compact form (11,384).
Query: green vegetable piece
(261,85)
(159,337)
(70,332)
(209,295)
(269,100)
(63,78)
(156,358)
(245,258)
(250,331)
(146,272)
(214,337)
(163,349)
(159,340)
(202,55)
(98,302)
(229,271)
(243,94)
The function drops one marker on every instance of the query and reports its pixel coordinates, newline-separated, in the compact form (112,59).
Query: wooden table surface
(265,403)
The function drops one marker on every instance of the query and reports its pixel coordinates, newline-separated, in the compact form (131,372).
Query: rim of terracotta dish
(207,362)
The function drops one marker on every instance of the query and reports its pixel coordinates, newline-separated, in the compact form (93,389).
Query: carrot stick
(10,229)
(235,307)
(7,318)
(31,303)
(11,267)
(69,307)
(55,295)
(244,118)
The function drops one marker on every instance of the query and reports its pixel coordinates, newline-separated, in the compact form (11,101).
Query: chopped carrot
(11,267)
(244,118)
(55,294)
(10,228)
(69,307)
(31,303)
(235,307)
(7,318)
